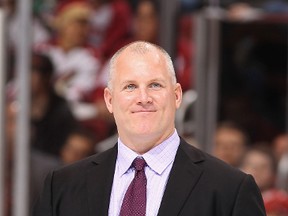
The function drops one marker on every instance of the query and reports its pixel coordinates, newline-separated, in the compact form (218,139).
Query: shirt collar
(158,158)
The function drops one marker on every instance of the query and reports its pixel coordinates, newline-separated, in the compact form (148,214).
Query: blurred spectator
(230,143)
(185,52)
(41,162)
(280,148)
(79,144)
(79,76)
(247,10)
(262,165)
(276,203)
(282,175)
(51,117)
(110,25)
(146,21)
(280,145)
(242,12)
(40,31)
(76,63)
(260,162)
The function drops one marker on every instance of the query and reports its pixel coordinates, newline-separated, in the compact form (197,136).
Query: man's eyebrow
(127,81)
(148,81)
(159,79)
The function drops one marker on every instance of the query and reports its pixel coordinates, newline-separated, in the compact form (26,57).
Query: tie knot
(139,163)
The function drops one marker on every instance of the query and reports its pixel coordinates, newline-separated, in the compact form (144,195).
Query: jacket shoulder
(211,165)
(80,168)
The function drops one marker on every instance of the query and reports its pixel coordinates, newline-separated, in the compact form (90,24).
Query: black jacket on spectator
(50,132)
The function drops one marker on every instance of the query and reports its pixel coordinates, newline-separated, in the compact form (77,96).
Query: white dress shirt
(159,163)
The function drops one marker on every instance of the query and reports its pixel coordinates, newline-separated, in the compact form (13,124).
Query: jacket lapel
(99,182)
(183,178)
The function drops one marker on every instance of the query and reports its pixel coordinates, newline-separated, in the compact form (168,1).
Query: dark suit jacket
(198,185)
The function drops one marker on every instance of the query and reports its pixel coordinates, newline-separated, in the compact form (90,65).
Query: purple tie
(134,202)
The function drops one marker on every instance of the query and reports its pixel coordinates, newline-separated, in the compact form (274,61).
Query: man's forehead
(130,56)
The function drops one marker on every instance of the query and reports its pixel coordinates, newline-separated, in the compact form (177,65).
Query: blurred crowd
(266,162)
(72,42)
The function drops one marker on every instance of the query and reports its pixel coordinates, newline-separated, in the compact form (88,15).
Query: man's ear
(178,95)
(108,99)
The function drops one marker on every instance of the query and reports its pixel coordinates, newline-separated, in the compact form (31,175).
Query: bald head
(141,48)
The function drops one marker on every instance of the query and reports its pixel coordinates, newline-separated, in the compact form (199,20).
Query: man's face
(143,98)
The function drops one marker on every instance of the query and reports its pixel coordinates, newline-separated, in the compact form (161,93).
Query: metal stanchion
(200,79)
(212,81)
(207,72)
(168,15)
(22,147)
(2,111)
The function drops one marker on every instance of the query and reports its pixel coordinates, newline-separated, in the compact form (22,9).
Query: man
(230,143)
(178,179)
(79,144)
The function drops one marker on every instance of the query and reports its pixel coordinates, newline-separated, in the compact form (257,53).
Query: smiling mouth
(144,111)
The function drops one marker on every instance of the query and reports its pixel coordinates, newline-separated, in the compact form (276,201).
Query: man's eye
(130,87)
(155,85)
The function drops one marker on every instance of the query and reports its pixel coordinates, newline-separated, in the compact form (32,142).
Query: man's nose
(144,96)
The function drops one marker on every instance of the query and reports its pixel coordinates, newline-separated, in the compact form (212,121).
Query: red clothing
(276,202)
(185,53)
(111,33)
